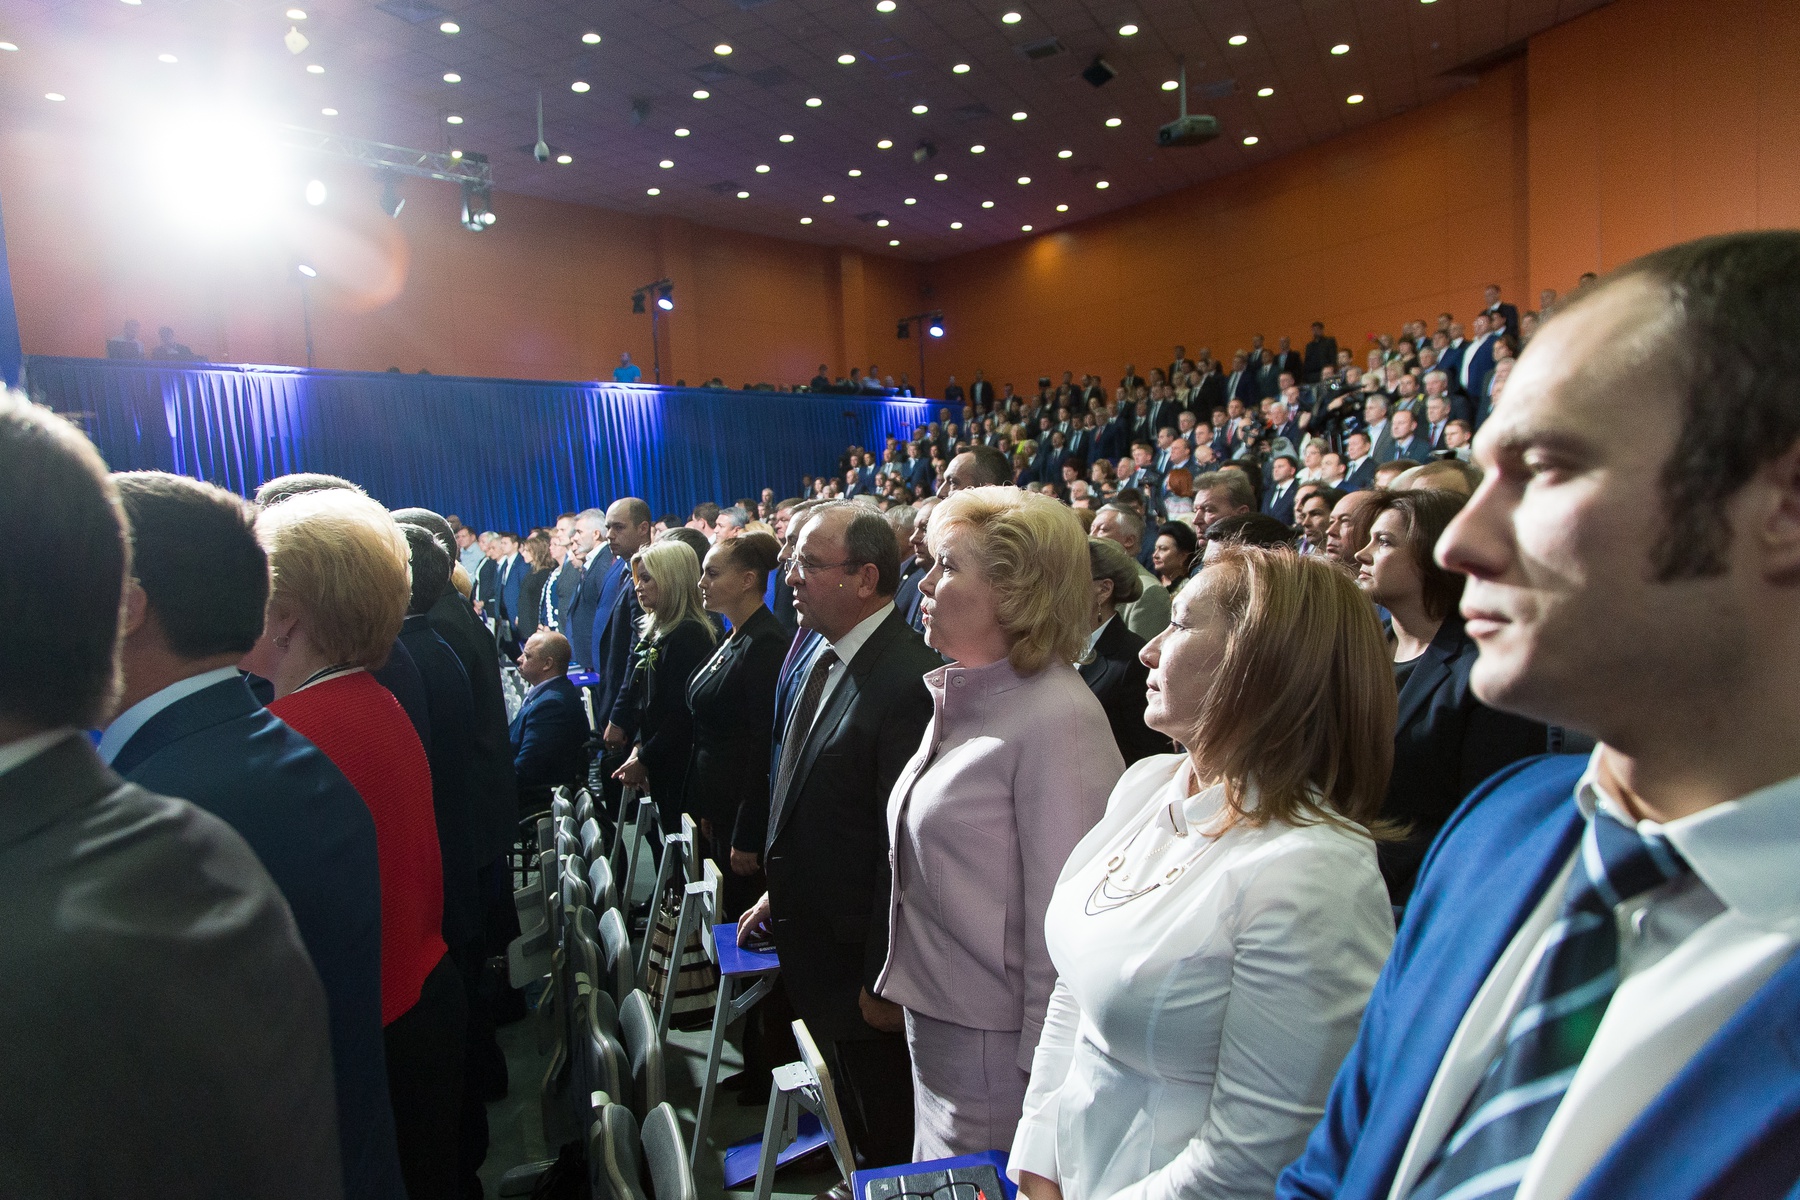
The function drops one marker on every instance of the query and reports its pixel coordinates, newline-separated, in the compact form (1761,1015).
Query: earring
(281,642)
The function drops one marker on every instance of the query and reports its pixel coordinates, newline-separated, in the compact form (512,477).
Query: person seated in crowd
(978,466)
(1013,770)
(1110,665)
(1595,1004)
(1173,560)
(170,1035)
(1246,529)
(189,727)
(1315,517)
(674,640)
(549,733)
(731,700)
(1348,531)
(1446,741)
(339,591)
(1149,613)
(1218,933)
(167,349)
(1443,475)
(1393,469)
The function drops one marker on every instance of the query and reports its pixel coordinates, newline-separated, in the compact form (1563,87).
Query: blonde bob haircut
(340,565)
(675,570)
(1033,552)
(1302,705)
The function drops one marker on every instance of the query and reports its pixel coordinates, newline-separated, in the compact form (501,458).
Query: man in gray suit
(168,1033)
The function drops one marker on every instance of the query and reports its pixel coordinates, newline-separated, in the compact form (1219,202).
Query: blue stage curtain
(500,453)
(10,355)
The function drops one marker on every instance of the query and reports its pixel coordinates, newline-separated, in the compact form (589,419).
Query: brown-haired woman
(536,552)
(1218,932)
(1446,741)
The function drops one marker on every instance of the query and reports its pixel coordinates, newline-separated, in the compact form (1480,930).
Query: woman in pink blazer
(1014,769)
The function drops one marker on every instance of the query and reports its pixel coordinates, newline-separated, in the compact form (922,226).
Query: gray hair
(1128,517)
(903,517)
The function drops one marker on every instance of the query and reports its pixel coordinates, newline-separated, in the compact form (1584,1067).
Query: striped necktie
(1577,972)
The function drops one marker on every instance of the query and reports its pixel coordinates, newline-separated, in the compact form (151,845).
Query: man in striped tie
(1595,993)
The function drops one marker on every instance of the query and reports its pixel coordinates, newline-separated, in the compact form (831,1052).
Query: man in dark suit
(169,1034)
(1596,984)
(550,733)
(1241,383)
(981,393)
(1477,359)
(189,727)
(616,626)
(510,570)
(907,597)
(1359,463)
(1289,361)
(589,549)
(1501,316)
(1409,442)
(857,720)
(1278,499)
(564,583)
(1321,352)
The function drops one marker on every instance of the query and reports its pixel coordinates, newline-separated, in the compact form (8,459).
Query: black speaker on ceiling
(1099,72)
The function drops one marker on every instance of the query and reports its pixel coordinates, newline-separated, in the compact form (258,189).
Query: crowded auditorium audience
(1163,783)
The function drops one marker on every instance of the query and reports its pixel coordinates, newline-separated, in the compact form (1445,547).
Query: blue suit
(578,627)
(615,633)
(511,578)
(224,752)
(549,742)
(1726,1126)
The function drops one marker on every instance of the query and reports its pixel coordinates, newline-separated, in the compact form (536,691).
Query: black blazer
(1117,679)
(455,802)
(827,851)
(656,695)
(1445,742)
(531,603)
(496,818)
(732,701)
(1361,478)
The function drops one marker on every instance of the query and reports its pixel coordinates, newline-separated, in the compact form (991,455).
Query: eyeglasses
(802,568)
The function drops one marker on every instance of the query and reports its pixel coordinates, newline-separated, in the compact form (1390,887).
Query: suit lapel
(214,705)
(1431,671)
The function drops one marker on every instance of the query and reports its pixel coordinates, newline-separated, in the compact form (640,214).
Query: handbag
(696,977)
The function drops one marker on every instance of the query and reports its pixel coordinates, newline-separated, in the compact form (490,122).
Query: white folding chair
(744,979)
(677,860)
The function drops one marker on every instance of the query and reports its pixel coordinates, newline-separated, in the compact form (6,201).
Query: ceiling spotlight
(1251,140)
(308,271)
(666,163)
(919,110)
(453,119)
(456,154)
(1353,98)
(762,168)
(296,14)
(329,112)
(721,50)
(806,220)
(987,204)
(827,198)
(580,85)
(893,241)
(1341,48)
(1024,229)
(1062,208)
(1102,184)
(165,58)
(1024,179)
(57,97)
(315,192)
(743,195)
(9,47)
(935,326)
(961,68)
(391,200)
(565,159)
(883,223)
(592,39)
(681,133)
(884,144)
(652,191)
(452,77)
(940,177)
(1019,116)
(813,102)
(845,60)
(314,69)
(1236,39)
(911,200)
(886,6)
(1169,85)
(1011,18)
(1065,154)
(978,148)
(1127,30)
(664,299)
(786,137)
(956,224)
(1265,93)
(854,173)
(1114,122)
(449,27)
(133,2)
(701,93)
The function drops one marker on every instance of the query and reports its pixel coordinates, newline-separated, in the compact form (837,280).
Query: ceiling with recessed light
(806,119)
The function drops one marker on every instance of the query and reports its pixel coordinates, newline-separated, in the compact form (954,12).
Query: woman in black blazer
(1446,740)
(1111,667)
(732,699)
(675,639)
(536,551)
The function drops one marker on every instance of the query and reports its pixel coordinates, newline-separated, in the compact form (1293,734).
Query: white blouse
(1209,988)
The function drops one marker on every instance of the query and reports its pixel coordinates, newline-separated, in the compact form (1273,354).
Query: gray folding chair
(677,860)
(645,827)
(615,955)
(803,1086)
(670,1176)
(600,885)
(614,1168)
(644,1047)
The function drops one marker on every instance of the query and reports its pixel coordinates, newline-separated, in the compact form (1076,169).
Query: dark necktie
(1577,972)
(800,727)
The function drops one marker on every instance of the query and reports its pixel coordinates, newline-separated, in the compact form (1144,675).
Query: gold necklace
(1108,895)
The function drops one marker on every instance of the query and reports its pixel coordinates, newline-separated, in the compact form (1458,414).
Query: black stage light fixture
(904,329)
(637,302)
(1099,72)
(665,299)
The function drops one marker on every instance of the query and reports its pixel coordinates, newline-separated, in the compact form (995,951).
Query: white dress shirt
(125,726)
(1195,1029)
(845,648)
(1468,359)
(1690,954)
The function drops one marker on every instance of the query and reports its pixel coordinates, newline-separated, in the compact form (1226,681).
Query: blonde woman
(1219,931)
(1014,768)
(675,638)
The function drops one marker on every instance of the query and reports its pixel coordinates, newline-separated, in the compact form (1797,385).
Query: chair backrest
(637,1029)
(584,806)
(601,891)
(590,839)
(834,1116)
(690,836)
(605,1067)
(670,1176)
(614,1169)
(615,955)
(709,906)
(560,802)
(647,826)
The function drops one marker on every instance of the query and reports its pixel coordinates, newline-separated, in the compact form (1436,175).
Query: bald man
(549,736)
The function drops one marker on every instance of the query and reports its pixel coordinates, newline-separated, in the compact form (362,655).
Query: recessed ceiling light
(886,6)
(786,137)
(1341,48)
(580,85)
(743,195)
(449,27)
(1265,93)
(565,159)
(456,154)
(977,148)
(58,97)
(701,93)
(314,69)
(854,173)
(1236,39)
(134,2)
(1011,18)
(940,177)
(846,59)
(452,77)
(1353,98)
(328,112)
(893,241)
(1102,184)
(1127,30)
(1114,122)
(883,223)
(827,198)
(1024,179)
(1019,116)
(681,133)
(8,46)
(666,163)
(920,110)
(1062,208)
(296,14)
(453,119)
(813,102)
(762,168)
(1024,229)
(165,58)
(956,224)
(652,191)
(884,144)
(592,39)
(806,220)
(722,49)
(1065,154)
(1251,140)
(987,204)
(911,200)
(961,68)
(1169,85)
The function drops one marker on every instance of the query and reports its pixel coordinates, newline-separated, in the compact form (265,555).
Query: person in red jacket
(338,593)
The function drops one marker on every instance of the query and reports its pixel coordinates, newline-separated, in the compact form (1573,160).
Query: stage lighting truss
(468,169)
(662,290)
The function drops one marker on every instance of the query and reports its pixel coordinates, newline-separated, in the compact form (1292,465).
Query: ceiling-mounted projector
(1188,129)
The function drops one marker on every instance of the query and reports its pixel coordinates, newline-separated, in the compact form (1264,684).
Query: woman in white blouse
(1217,934)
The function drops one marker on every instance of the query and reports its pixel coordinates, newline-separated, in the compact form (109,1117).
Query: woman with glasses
(1218,933)
(1012,771)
